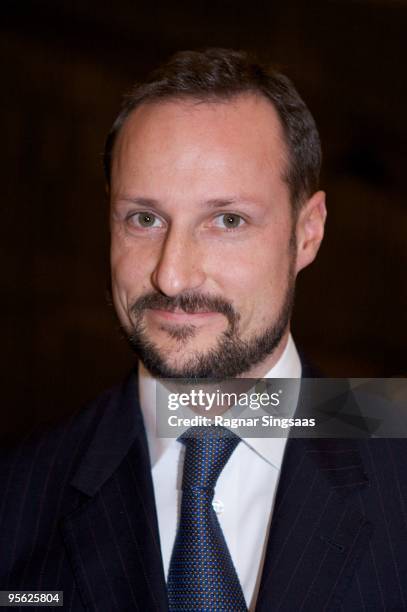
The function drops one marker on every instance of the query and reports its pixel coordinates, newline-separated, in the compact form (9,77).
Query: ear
(310,229)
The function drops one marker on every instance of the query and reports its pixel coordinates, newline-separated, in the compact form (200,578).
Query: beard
(230,357)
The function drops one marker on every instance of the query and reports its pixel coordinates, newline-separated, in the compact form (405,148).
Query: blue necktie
(201,575)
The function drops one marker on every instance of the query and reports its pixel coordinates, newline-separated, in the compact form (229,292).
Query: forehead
(187,138)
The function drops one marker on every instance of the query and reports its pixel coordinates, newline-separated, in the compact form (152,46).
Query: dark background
(65,67)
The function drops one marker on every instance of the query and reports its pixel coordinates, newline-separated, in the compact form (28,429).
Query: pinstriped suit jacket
(77,514)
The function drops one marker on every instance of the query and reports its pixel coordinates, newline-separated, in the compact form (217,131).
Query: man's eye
(229,221)
(145,220)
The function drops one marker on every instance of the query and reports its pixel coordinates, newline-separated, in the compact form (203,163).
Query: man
(212,170)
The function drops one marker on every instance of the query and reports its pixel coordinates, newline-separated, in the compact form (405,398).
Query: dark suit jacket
(77,514)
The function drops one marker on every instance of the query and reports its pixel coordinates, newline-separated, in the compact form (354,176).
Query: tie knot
(207,451)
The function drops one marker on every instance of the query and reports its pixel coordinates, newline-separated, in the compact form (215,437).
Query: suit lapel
(112,538)
(317,533)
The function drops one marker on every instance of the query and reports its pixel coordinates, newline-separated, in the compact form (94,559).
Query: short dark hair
(222,74)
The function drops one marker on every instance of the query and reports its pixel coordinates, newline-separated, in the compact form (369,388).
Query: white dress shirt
(244,492)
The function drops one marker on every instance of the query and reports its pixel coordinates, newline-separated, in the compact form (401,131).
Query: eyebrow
(138,201)
(221,202)
(211,203)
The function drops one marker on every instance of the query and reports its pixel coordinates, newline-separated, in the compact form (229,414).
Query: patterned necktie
(201,575)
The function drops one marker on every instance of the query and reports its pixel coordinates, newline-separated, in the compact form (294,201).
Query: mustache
(190,303)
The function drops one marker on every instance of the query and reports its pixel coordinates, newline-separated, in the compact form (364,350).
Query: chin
(187,340)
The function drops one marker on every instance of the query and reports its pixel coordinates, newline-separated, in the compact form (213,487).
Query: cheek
(259,282)
(238,275)
(130,265)
(262,266)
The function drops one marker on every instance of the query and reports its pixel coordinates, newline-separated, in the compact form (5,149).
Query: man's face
(203,242)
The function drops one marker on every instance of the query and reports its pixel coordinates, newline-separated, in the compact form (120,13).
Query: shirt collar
(270,449)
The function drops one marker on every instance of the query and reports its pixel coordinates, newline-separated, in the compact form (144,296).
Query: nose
(180,266)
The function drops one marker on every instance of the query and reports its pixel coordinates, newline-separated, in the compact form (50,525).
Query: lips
(183,311)
(178,314)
